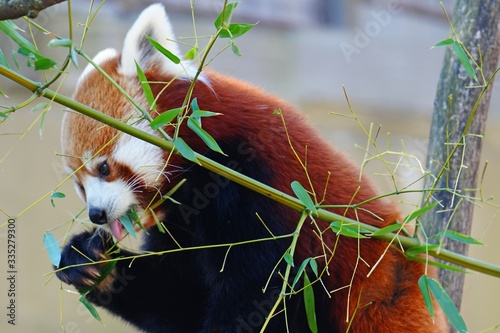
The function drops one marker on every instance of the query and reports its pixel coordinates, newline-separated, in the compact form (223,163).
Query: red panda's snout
(108,201)
(97,215)
(100,217)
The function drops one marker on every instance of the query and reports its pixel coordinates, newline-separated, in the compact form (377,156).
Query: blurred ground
(390,82)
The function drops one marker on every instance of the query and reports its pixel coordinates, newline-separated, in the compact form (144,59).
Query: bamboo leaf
(303,196)
(194,105)
(288,258)
(419,212)
(41,128)
(236,30)
(3,60)
(106,269)
(449,308)
(148,93)
(387,230)
(235,49)
(90,308)
(191,54)
(314,266)
(309,304)
(52,247)
(157,221)
(202,113)
(11,30)
(175,59)
(35,59)
(42,63)
(195,108)
(197,113)
(301,269)
(312,263)
(446,42)
(424,289)
(459,237)
(40,106)
(419,249)
(459,51)
(84,290)
(57,42)
(127,224)
(73,57)
(225,15)
(185,150)
(132,213)
(165,118)
(202,134)
(56,195)
(348,230)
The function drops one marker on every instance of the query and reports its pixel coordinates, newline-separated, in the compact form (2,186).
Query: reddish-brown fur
(389,299)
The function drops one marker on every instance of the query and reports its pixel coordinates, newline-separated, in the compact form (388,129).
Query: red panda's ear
(152,22)
(99,59)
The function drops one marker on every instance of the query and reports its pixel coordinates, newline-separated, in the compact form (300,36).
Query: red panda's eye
(103,169)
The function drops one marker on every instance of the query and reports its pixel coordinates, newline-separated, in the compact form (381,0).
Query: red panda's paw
(81,259)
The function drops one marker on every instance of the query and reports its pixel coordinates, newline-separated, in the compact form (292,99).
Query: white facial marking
(145,159)
(115,197)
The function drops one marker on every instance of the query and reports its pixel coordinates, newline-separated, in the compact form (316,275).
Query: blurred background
(302,51)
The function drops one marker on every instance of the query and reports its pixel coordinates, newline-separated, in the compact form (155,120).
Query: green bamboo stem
(283,198)
(288,270)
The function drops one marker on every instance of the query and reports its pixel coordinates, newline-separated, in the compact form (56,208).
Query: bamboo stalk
(283,198)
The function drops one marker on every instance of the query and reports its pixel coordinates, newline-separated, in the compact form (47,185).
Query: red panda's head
(115,172)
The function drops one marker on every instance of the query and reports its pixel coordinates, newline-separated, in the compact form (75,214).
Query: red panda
(223,289)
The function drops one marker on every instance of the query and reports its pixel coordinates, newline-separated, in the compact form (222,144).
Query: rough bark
(13,9)
(476,23)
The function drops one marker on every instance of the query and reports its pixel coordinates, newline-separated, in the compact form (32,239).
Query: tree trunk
(455,126)
(13,9)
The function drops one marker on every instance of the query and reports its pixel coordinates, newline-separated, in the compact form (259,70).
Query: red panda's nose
(98,216)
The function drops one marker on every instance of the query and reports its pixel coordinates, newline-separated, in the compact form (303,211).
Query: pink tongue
(116,229)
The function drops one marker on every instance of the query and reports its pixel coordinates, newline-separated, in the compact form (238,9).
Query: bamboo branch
(283,198)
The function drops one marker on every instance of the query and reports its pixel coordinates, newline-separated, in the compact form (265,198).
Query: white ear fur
(153,21)
(99,59)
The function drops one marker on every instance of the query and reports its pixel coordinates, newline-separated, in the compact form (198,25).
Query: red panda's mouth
(116,229)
